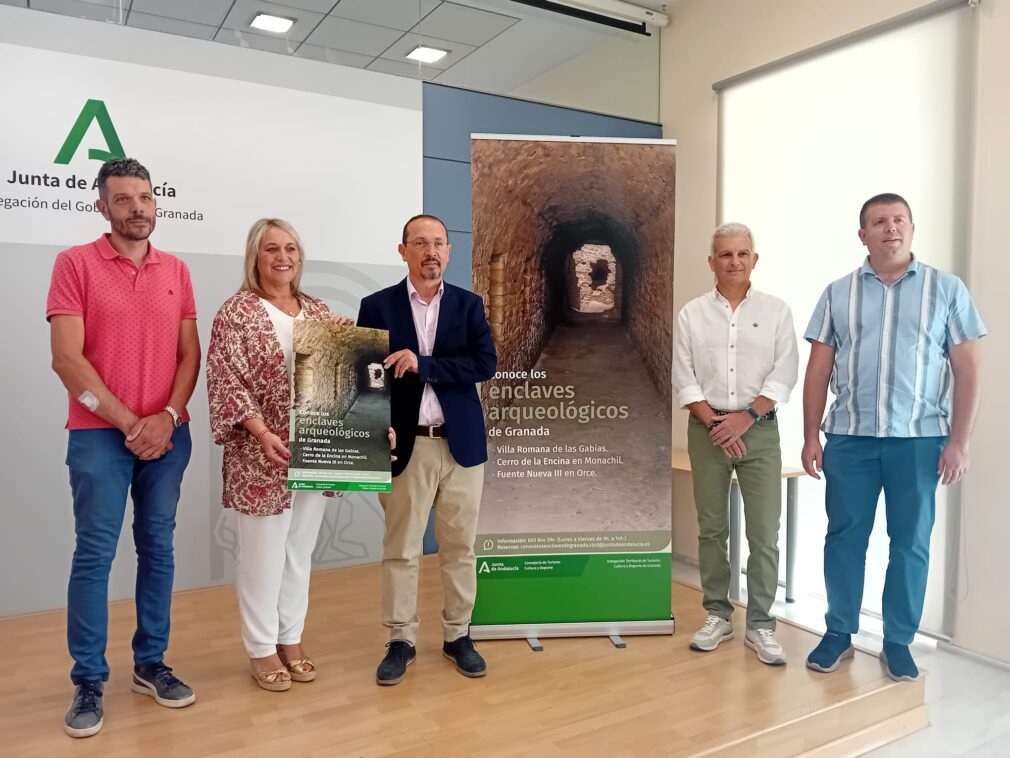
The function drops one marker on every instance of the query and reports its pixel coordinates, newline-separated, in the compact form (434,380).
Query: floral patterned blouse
(247,378)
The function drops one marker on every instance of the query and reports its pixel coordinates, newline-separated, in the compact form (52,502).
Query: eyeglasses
(421,244)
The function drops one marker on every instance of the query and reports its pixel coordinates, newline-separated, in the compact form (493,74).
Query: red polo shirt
(131,322)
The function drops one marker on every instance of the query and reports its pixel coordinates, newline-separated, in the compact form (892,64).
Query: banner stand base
(533,632)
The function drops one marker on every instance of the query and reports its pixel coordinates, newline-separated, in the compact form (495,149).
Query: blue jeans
(855,470)
(102,472)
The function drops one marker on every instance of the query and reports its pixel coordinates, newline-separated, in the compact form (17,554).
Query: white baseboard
(950,647)
(682,558)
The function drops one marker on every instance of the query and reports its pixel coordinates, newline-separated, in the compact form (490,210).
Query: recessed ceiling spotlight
(424,54)
(269,23)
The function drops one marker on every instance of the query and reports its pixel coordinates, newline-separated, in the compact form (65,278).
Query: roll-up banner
(573,255)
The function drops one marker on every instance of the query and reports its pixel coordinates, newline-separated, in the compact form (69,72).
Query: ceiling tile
(256,41)
(318,6)
(410,70)
(462,24)
(171,26)
(495,67)
(113,11)
(209,12)
(329,55)
(353,36)
(396,14)
(243,11)
(457,50)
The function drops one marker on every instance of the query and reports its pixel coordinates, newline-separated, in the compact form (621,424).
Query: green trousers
(759,473)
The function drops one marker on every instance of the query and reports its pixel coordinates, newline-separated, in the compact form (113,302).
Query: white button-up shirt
(728,357)
(425,324)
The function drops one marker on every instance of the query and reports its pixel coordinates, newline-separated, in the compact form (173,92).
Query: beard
(134,232)
(431,273)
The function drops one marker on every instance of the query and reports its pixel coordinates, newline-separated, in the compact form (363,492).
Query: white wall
(240,134)
(711,40)
(982,615)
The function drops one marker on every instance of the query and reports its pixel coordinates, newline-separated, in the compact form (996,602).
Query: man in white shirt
(735,361)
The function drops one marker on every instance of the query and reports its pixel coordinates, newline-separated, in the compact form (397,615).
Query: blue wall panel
(442,182)
(460,268)
(452,115)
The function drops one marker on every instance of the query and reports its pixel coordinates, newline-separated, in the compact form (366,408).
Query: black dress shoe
(393,667)
(468,661)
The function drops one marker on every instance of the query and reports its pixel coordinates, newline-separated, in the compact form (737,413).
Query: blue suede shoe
(899,663)
(830,652)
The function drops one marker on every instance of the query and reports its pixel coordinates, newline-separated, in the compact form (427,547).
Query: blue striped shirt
(892,375)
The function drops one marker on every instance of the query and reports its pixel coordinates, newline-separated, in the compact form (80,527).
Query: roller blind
(801,147)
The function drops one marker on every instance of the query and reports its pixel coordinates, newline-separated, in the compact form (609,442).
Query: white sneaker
(714,631)
(768,649)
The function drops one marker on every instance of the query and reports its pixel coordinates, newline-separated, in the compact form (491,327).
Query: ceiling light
(424,54)
(268,23)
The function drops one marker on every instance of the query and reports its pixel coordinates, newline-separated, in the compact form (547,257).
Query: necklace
(290,311)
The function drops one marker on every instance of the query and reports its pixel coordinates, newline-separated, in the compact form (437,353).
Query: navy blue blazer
(463,355)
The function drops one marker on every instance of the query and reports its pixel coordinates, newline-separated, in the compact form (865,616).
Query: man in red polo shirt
(124,342)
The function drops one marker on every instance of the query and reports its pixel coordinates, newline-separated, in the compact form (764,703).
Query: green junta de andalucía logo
(93,110)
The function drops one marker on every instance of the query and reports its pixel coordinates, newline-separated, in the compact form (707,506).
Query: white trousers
(272,572)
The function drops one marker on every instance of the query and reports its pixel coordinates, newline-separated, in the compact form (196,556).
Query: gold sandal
(278,680)
(301,669)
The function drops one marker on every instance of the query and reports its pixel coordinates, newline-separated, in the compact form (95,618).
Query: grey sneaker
(85,715)
(714,631)
(768,649)
(157,680)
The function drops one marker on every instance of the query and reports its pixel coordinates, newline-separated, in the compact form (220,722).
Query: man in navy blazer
(441,346)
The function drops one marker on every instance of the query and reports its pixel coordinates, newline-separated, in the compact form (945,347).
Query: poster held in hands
(340,409)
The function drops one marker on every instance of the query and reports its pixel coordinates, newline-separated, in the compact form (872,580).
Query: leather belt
(434,432)
(770,416)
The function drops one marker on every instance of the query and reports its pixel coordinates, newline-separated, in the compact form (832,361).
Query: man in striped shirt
(897,339)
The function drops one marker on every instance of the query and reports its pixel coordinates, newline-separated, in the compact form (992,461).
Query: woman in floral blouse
(249,369)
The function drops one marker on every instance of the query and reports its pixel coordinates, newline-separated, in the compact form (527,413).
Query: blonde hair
(251,281)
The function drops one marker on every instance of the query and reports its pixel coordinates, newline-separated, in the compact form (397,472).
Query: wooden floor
(579,697)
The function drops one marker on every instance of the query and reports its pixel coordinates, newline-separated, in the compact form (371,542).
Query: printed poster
(573,255)
(340,409)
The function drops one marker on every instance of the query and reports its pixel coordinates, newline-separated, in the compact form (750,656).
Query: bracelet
(259,437)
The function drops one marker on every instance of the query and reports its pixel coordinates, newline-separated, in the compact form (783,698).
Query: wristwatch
(754,414)
(176,418)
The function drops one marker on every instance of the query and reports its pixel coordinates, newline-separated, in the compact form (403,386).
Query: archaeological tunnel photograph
(573,255)
(339,374)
